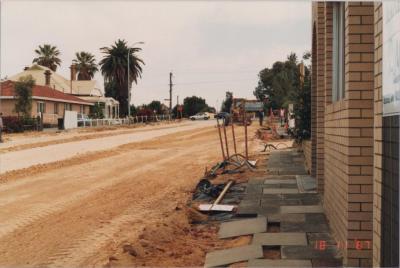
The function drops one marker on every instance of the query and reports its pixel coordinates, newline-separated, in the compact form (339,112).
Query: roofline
(49,99)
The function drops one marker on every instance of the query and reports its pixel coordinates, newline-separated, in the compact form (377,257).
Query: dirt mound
(171,241)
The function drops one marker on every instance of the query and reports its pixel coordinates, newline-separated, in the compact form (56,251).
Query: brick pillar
(377,137)
(320,96)
(359,49)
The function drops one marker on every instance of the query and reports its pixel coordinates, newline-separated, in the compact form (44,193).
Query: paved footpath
(284,215)
(52,153)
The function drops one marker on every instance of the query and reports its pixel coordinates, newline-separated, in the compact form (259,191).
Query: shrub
(13,124)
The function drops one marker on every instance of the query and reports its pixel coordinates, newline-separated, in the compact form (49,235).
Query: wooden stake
(220,140)
(226,139)
(245,134)
(234,138)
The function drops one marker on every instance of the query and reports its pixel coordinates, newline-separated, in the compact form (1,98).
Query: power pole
(170,92)
(177,100)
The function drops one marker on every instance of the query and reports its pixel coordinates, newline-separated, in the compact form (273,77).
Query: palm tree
(85,65)
(48,56)
(114,69)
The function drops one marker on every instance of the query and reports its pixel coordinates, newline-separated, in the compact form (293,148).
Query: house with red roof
(84,89)
(49,102)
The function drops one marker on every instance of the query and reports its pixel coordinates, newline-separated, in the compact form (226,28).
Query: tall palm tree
(114,68)
(48,56)
(85,65)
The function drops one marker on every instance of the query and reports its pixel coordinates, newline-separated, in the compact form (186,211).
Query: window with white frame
(68,107)
(338,57)
(41,107)
(55,108)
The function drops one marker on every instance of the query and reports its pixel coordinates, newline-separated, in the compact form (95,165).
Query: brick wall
(360,93)
(320,96)
(377,137)
(306,146)
(347,130)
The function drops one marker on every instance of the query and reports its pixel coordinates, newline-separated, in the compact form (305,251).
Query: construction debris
(215,206)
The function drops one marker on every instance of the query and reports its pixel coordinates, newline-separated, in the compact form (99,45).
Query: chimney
(73,72)
(47,75)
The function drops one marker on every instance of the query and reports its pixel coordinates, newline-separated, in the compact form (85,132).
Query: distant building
(84,89)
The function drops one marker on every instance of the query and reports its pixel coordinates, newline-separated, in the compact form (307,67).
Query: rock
(112,258)
(144,243)
(128,248)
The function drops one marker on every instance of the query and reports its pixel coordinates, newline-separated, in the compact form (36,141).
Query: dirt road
(69,147)
(79,211)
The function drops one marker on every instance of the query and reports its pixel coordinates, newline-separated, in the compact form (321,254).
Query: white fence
(123,121)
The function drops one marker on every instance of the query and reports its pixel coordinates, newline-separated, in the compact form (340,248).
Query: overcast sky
(210,47)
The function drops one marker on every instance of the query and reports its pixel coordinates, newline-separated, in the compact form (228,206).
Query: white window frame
(41,107)
(338,51)
(55,108)
(67,106)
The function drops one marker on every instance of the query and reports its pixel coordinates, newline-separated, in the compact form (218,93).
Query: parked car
(83,120)
(200,116)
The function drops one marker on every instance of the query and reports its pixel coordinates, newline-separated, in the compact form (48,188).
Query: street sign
(254,106)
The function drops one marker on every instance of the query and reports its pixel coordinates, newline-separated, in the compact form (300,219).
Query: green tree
(97,110)
(114,67)
(86,65)
(23,95)
(133,109)
(193,105)
(280,83)
(227,103)
(48,56)
(111,90)
(302,105)
(155,106)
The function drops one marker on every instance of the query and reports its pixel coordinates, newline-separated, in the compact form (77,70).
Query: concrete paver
(278,263)
(232,255)
(307,252)
(302,209)
(247,211)
(307,226)
(297,218)
(280,191)
(280,239)
(255,181)
(242,227)
(306,183)
(289,200)
(280,181)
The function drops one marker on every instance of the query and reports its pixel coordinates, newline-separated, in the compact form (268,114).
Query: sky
(210,46)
